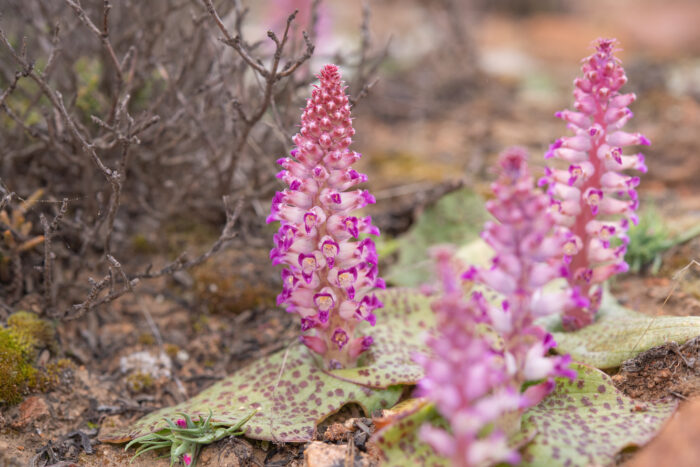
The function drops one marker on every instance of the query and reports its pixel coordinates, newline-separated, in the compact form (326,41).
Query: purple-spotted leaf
(619,334)
(398,335)
(588,421)
(399,442)
(291,396)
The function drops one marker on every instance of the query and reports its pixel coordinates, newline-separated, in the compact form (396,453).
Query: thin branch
(235,41)
(271,76)
(49,230)
(103,34)
(291,67)
(94,300)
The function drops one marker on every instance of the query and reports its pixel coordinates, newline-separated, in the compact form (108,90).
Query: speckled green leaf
(398,335)
(588,421)
(399,442)
(455,218)
(619,334)
(290,394)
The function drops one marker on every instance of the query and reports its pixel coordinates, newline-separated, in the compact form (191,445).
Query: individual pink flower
(592,197)
(330,273)
(181,423)
(187,459)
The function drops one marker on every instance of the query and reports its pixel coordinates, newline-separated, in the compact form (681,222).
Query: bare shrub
(129,117)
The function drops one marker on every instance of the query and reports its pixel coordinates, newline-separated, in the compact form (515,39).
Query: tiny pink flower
(181,423)
(187,459)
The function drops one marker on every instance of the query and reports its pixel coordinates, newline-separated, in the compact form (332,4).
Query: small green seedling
(185,437)
(650,238)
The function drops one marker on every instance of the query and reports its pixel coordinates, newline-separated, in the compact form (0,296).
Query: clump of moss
(17,375)
(20,341)
(200,324)
(182,232)
(146,338)
(89,99)
(141,245)
(32,331)
(55,374)
(139,382)
(650,238)
(171,350)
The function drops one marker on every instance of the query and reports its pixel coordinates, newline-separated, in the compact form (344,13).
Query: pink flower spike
(187,459)
(605,189)
(181,423)
(471,382)
(327,273)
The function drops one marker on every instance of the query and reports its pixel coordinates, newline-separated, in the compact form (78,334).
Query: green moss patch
(20,341)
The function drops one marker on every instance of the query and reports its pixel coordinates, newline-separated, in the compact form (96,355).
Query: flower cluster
(529,251)
(474,381)
(592,198)
(466,378)
(330,273)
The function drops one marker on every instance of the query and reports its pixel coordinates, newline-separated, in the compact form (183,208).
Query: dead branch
(137,127)
(270,77)
(130,282)
(49,230)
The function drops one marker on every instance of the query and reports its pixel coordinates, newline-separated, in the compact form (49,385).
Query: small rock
(319,454)
(337,432)
(43,358)
(229,452)
(360,438)
(33,409)
(158,366)
(618,379)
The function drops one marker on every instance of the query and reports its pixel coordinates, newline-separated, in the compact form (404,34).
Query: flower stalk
(529,251)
